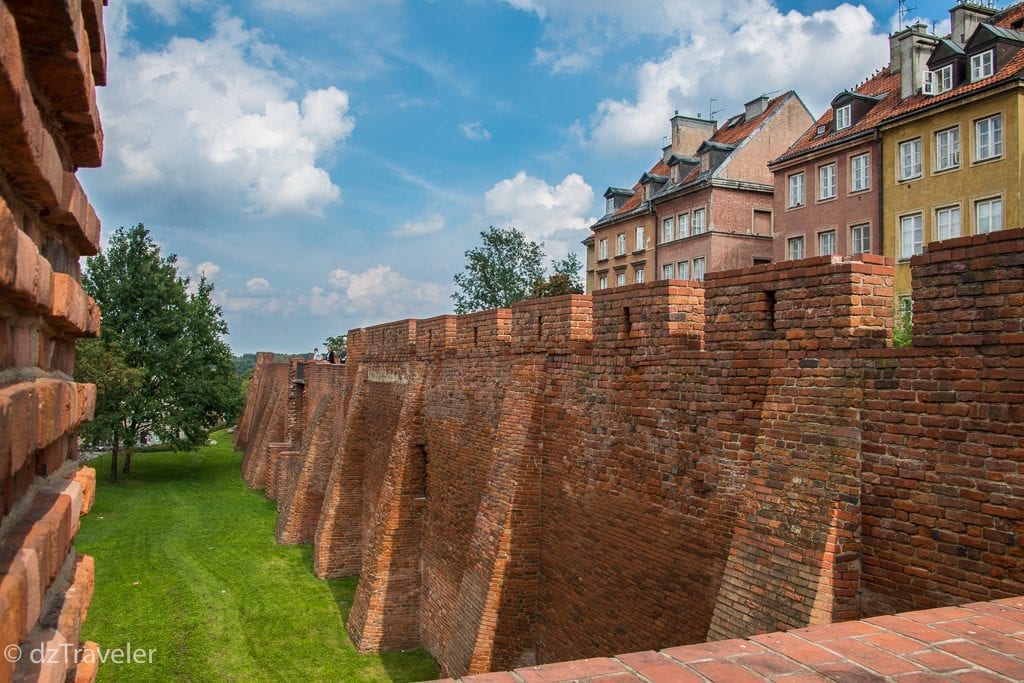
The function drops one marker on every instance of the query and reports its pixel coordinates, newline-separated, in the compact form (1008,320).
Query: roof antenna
(903,11)
(712,112)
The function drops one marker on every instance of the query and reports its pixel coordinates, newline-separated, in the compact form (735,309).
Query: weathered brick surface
(51,56)
(662,464)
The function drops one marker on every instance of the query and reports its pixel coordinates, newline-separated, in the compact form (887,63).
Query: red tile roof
(887,85)
(660,168)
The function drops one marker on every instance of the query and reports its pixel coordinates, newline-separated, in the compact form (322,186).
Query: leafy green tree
(171,336)
(565,279)
(118,384)
(500,272)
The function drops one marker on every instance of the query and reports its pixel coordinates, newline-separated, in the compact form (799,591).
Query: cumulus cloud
(731,51)
(257,285)
(431,225)
(377,294)
(207,269)
(211,125)
(474,130)
(537,208)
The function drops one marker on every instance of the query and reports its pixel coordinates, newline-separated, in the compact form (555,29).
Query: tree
(173,338)
(564,280)
(500,272)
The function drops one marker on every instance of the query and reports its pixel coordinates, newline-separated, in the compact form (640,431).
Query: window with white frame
(988,215)
(982,65)
(796,190)
(602,249)
(639,242)
(684,270)
(988,138)
(638,275)
(698,268)
(843,117)
(910,159)
(827,243)
(698,221)
(602,282)
(947,149)
(947,222)
(620,279)
(668,271)
(795,248)
(860,172)
(944,79)
(684,225)
(827,181)
(620,244)
(860,238)
(911,235)
(667,230)
(609,204)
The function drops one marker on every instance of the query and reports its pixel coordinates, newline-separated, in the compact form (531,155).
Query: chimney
(966,17)
(756,107)
(909,51)
(688,133)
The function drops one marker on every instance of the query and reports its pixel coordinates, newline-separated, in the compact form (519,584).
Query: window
(639,243)
(620,279)
(620,244)
(860,172)
(947,149)
(988,215)
(609,204)
(988,138)
(843,117)
(668,271)
(667,230)
(827,181)
(827,243)
(796,248)
(698,268)
(910,159)
(602,282)
(982,65)
(796,190)
(860,239)
(698,221)
(684,225)
(947,222)
(944,79)
(911,235)
(602,249)
(638,275)
(684,270)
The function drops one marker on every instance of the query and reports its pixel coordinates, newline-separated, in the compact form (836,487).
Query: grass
(187,565)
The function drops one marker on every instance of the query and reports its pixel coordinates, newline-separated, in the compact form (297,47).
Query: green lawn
(187,565)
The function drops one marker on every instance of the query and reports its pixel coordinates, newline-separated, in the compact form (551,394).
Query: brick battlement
(663,463)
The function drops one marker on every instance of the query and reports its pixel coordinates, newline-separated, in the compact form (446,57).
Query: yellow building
(951,150)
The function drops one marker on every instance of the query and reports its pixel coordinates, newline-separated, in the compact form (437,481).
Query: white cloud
(207,269)
(378,294)
(474,130)
(431,225)
(170,10)
(257,285)
(732,51)
(211,125)
(538,209)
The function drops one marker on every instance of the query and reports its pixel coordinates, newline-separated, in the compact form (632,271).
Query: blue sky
(327,162)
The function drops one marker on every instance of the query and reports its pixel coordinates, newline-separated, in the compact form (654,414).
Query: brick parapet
(772,451)
(52,55)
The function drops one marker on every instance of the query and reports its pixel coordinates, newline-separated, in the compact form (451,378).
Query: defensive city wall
(52,57)
(664,463)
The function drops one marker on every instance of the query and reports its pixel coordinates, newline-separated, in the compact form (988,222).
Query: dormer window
(843,114)
(609,204)
(944,79)
(982,65)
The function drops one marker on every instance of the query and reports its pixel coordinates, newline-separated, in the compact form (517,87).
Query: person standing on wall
(316,353)
(330,354)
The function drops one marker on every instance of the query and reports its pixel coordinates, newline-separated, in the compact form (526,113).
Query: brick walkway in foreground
(981,641)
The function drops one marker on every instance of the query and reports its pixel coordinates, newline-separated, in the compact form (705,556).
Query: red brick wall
(660,464)
(52,57)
